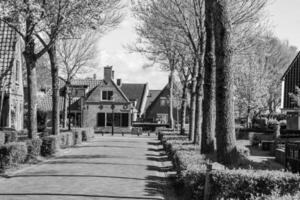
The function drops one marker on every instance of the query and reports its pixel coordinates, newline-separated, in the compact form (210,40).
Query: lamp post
(69,108)
(113,118)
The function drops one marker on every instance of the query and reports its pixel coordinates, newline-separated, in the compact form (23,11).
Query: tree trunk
(193,102)
(65,110)
(171,85)
(32,94)
(200,78)
(225,127)
(183,108)
(55,89)
(209,115)
(2,100)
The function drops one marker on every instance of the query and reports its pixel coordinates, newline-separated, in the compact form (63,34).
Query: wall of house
(94,105)
(91,111)
(156,107)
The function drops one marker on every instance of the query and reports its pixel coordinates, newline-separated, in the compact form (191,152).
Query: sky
(284,17)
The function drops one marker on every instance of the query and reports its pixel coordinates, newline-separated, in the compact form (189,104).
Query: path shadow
(72,176)
(155,185)
(97,146)
(86,156)
(68,162)
(154,143)
(61,195)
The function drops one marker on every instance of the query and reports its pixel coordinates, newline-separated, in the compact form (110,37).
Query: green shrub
(12,154)
(33,148)
(49,145)
(84,135)
(11,136)
(2,138)
(77,137)
(225,183)
(66,139)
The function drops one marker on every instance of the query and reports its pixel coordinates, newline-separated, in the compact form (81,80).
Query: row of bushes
(14,152)
(224,183)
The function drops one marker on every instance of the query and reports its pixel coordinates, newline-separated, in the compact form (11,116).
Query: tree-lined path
(107,168)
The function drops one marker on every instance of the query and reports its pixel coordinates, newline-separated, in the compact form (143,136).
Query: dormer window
(107,95)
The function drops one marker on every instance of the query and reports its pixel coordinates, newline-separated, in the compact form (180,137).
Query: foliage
(66,139)
(33,148)
(10,136)
(2,138)
(12,154)
(225,183)
(77,136)
(49,145)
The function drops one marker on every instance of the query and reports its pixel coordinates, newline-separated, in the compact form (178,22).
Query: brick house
(11,81)
(101,103)
(158,106)
(290,80)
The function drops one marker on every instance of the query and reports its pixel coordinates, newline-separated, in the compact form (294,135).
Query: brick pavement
(109,167)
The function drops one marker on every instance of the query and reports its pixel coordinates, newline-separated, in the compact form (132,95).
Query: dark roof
(8,40)
(134,91)
(90,83)
(291,65)
(153,94)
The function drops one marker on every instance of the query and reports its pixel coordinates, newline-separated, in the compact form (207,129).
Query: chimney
(95,76)
(108,73)
(113,75)
(119,82)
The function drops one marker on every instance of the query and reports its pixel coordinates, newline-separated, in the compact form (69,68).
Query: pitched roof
(153,94)
(291,65)
(8,40)
(134,91)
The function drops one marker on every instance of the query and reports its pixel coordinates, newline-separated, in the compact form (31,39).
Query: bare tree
(64,18)
(75,57)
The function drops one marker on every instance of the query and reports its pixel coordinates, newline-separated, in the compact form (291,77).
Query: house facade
(290,80)
(158,107)
(104,104)
(11,80)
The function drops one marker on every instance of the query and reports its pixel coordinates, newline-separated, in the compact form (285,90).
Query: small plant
(12,154)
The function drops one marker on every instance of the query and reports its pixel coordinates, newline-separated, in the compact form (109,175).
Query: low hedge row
(242,184)
(12,154)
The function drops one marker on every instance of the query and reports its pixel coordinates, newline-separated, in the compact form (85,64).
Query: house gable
(96,94)
(291,79)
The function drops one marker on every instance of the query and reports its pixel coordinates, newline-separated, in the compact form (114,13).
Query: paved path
(106,168)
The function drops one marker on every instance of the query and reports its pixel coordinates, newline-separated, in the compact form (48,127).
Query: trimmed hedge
(10,136)
(225,183)
(33,148)
(49,145)
(2,138)
(77,137)
(12,154)
(66,139)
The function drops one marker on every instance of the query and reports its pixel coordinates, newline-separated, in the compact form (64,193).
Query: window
(107,95)
(163,101)
(101,119)
(120,119)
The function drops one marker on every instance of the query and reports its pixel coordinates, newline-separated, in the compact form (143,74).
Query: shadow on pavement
(71,176)
(78,195)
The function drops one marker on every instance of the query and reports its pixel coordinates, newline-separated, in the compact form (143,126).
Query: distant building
(158,106)
(102,103)
(11,81)
(290,80)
